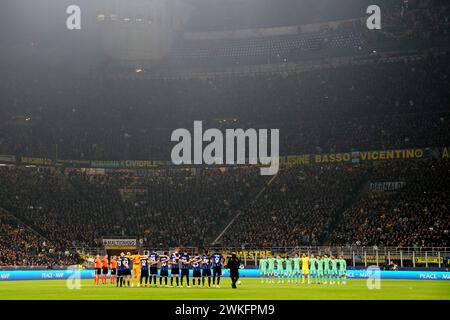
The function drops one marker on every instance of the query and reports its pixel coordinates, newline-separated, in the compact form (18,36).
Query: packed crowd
(365,105)
(57,205)
(415,215)
(335,205)
(75,209)
(332,204)
(194,209)
(20,246)
(297,208)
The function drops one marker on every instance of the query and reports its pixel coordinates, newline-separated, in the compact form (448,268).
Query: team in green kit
(317,269)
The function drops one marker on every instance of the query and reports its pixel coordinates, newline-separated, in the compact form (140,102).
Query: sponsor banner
(7,158)
(119,243)
(127,164)
(445,154)
(93,171)
(332,158)
(393,154)
(36,161)
(45,274)
(139,164)
(73,163)
(105,164)
(411,275)
(251,254)
(373,259)
(245,273)
(356,156)
(296,160)
(387,185)
(440,153)
(430,260)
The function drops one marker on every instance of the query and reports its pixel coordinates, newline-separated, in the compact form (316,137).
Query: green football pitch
(250,289)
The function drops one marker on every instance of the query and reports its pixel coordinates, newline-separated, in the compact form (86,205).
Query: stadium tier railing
(277,68)
(356,256)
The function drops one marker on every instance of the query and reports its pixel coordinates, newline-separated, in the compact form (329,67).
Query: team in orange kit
(113,265)
(105,264)
(130,270)
(98,269)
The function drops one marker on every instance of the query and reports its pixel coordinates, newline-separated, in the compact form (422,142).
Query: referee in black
(233,264)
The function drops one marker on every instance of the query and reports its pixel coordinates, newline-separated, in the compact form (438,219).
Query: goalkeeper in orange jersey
(136,275)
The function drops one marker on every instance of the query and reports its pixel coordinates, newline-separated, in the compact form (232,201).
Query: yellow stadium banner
(423,260)
(297,160)
(393,154)
(445,154)
(373,259)
(122,244)
(126,164)
(36,161)
(252,254)
(332,157)
(142,163)
(293,160)
(357,156)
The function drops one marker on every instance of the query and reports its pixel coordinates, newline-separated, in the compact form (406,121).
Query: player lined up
(319,269)
(142,269)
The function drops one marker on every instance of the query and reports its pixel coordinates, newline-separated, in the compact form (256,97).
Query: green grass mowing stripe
(251,289)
